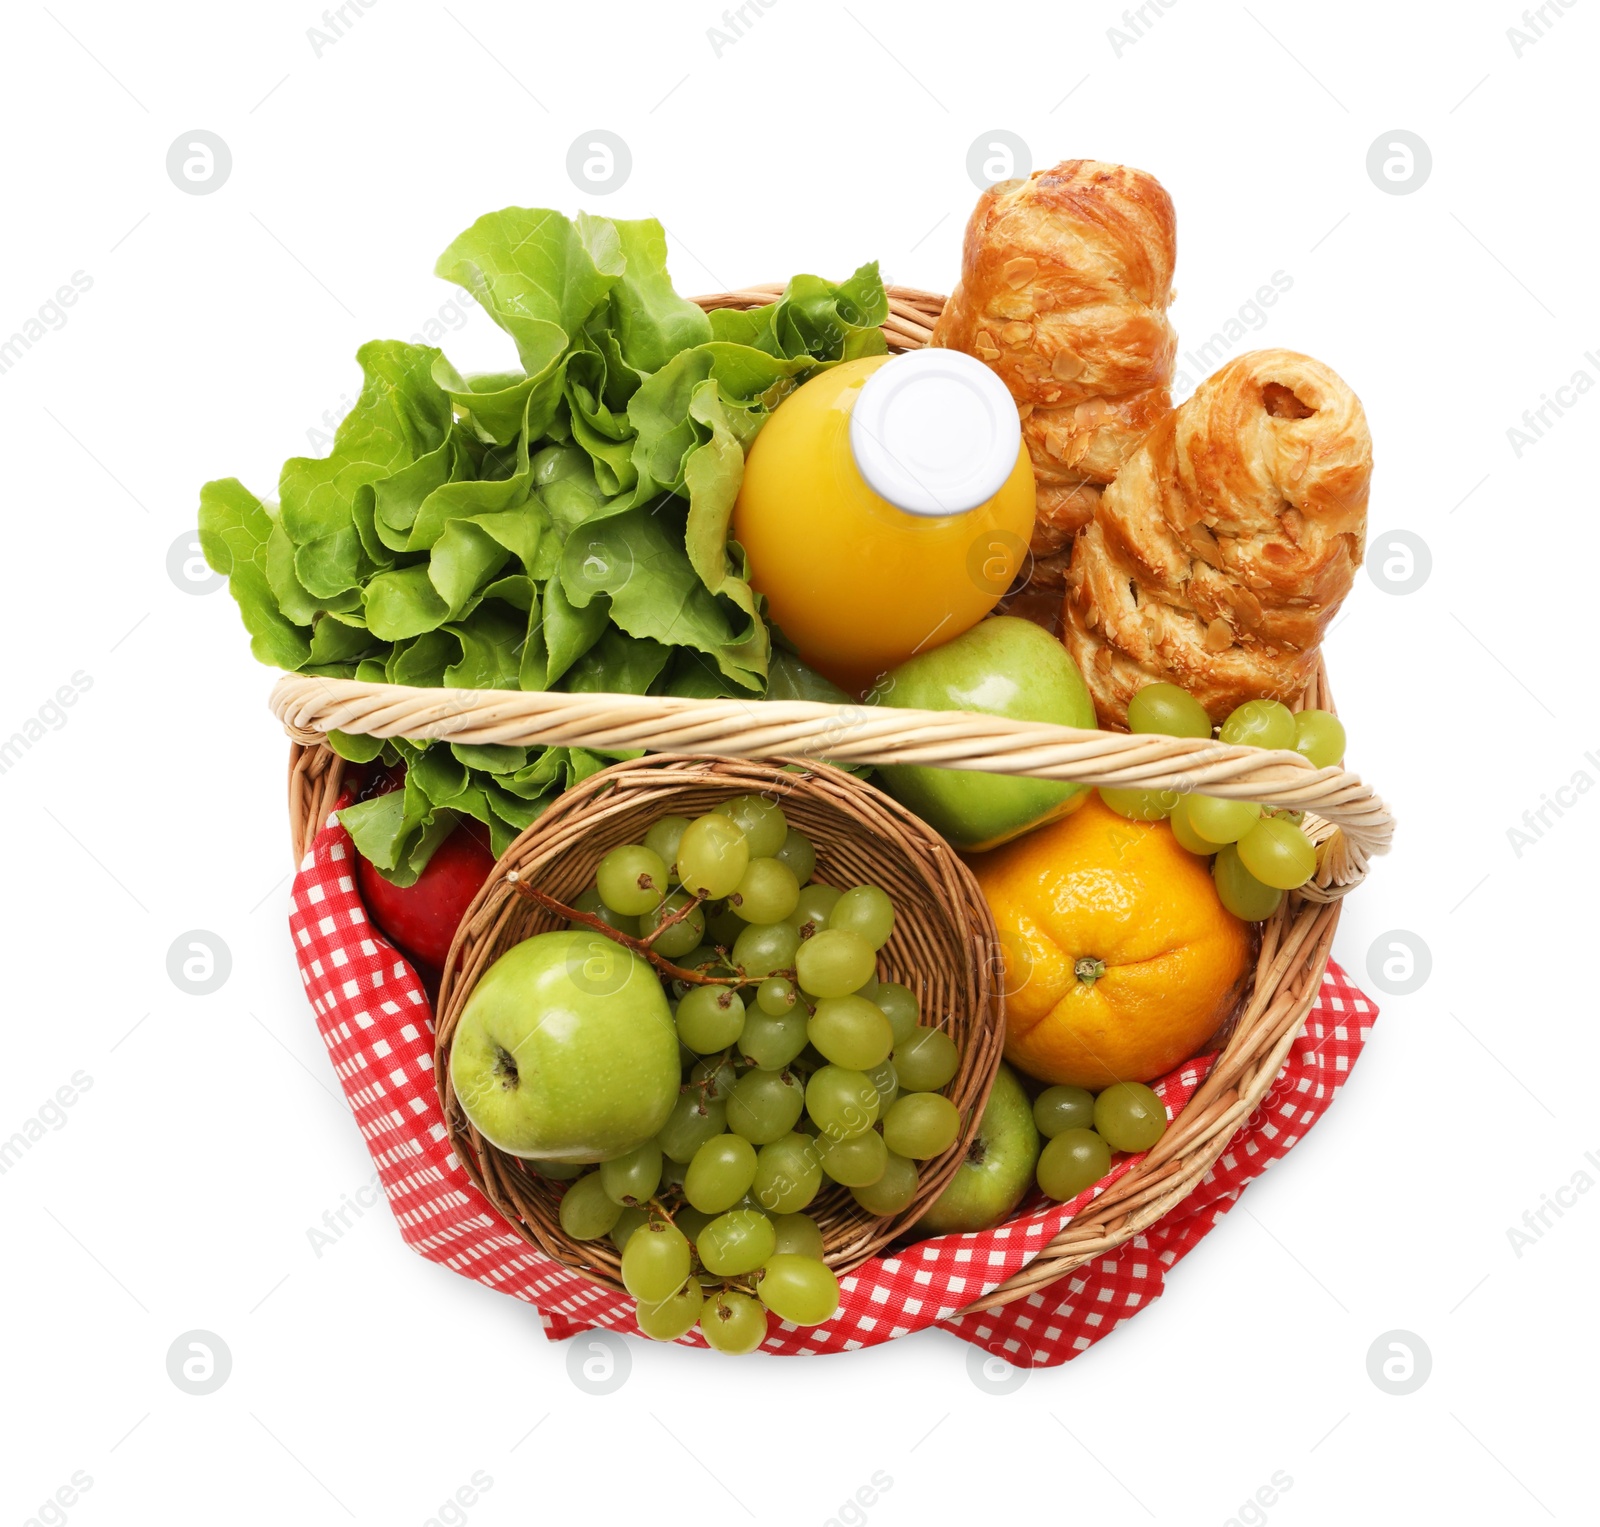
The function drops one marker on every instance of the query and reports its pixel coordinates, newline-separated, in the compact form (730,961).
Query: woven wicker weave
(1347,820)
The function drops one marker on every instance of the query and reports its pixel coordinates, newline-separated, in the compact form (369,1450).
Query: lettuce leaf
(562,523)
(537,274)
(235,529)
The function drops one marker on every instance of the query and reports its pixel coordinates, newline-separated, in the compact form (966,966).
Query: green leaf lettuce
(559,524)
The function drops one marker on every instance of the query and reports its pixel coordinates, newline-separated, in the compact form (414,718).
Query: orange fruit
(1120,961)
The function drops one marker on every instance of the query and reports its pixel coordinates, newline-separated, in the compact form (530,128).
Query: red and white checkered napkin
(376,1022)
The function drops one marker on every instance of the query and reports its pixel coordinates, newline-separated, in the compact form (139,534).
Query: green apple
(999,1166)
(1003,667)
(998,1170)
(566,1050)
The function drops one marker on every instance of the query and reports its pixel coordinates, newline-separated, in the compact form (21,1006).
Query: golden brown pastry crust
(1063,510)
(1065,281)
(1089,441)
(1221,551)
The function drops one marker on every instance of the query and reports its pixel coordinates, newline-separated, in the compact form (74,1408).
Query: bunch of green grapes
(1081,1131)
(1260,852)
(801,1068)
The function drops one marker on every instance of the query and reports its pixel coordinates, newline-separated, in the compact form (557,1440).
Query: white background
(370,1385)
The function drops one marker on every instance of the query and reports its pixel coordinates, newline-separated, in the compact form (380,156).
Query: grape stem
(637,945)
(709,1080)
(661,1209)
(675,916)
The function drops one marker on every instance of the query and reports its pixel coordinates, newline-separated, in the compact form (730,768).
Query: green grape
(631,880)
(1128,1116)
(663,839)
(736,1242)
(1059,1108)
(887,1080)
(627,1222)
(926,1061)
(591,903)
(712,855)
(1319,736)
(851,1032)
(1185,834)
(868,989)
(899,1004)
(776,996)
(1278,854)
(720,1174)
(801,1290)
(921,1125)
(723,924)
(691,1123)
(798,1236)
(1076,1159)
(867,911)
(765,1105)
(771,1043)
(842,1103)
(733,1323)
(671,1172)
(857,1162)
(768,893)
(788,1174)
(762,820)
(691,1221)
(765,947)
(796,851)
(710,1018)
(725,1074)
(1140,805)
(1260,724)
(633,1178)
(892,1191)
(683,936)
(834,962)
(672,1317)
(810,915)
(587,1211)
(558,1171)
(655,1264)
(1239,891)
(1166,709)
(1218,820)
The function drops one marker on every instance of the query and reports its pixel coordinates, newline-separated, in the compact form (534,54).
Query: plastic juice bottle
(886,506)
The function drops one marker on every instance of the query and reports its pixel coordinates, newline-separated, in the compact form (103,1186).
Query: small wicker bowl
(944,947)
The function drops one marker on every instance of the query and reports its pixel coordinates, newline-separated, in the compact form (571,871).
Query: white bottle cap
(935,432)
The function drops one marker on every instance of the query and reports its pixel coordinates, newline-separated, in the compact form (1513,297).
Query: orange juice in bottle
(886,506)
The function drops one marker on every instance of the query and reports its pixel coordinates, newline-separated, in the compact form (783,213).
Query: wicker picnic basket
(701,751)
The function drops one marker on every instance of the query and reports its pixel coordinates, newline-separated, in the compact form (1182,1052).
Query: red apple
(422,918)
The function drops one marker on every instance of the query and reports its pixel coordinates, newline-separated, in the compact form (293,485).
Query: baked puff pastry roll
(1227,541)
(1065,282)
